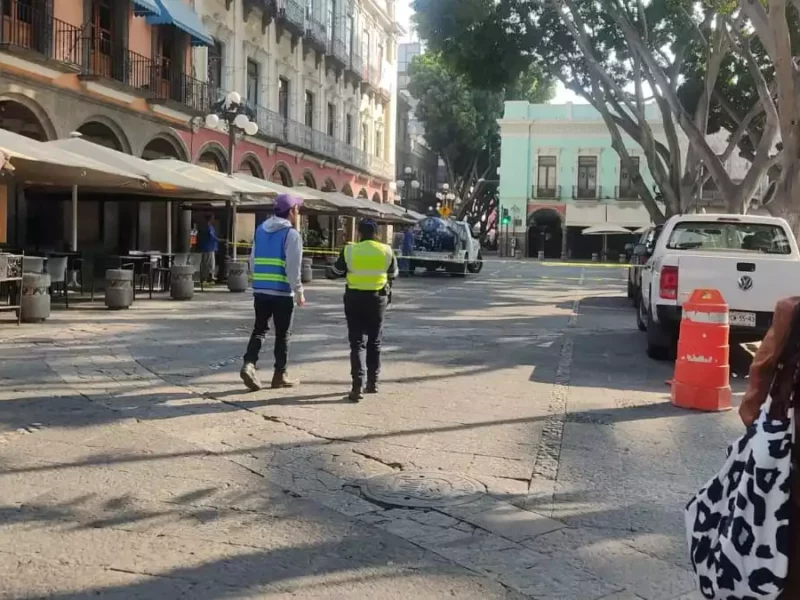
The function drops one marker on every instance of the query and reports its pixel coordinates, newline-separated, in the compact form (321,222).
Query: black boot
(355,393)
(372,387)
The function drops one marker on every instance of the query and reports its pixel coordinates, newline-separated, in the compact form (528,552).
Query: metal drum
(182,282)
(35,297)
(119,288)
(238,272)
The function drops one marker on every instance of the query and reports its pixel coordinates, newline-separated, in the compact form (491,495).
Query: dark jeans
(365,312)
(281,309)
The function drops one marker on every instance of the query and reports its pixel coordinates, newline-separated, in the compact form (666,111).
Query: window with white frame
(587,177)
(546,177)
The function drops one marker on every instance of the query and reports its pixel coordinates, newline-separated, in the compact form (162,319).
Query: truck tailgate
(750,282)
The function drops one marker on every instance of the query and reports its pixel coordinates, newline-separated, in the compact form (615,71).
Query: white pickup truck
(753,261)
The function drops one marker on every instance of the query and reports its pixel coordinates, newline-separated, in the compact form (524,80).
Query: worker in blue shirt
(208,244)
(408,251)
(275,262)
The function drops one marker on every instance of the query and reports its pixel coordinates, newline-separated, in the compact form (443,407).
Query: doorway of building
(545,233)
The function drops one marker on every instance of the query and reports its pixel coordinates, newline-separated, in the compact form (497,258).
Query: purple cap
(286,202)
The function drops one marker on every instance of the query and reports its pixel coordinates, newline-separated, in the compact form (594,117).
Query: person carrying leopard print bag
(741,526)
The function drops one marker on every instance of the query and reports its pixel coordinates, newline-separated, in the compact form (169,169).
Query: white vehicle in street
(446,244)
(753,261)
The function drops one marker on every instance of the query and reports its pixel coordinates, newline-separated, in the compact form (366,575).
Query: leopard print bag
(738,524)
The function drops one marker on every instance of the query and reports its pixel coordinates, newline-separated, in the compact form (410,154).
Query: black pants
(281,309)
(365,312)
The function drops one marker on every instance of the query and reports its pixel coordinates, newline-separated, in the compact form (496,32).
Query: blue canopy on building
(146,8)
(182,16)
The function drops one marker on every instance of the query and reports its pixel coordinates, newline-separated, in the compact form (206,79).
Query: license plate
(742,319)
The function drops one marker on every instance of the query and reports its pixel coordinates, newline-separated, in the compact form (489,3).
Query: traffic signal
(506,220)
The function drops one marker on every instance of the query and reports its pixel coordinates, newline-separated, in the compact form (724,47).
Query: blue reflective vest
(269,261)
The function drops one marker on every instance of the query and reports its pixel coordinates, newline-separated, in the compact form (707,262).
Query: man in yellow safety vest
(370,266)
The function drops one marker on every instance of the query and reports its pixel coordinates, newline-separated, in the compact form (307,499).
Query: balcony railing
(37,31)
(292,12)
(356,64)
(585,193)
(546,192)
(625,193)
(316,32)
(109,60)
(276,127)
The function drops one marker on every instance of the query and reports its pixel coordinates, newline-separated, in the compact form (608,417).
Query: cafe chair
(57,269)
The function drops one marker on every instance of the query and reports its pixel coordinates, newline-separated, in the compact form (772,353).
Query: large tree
(460,124)
(625,57)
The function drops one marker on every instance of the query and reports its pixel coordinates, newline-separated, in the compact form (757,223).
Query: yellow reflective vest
(368,263)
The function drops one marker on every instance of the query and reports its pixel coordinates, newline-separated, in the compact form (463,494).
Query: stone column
(184,230)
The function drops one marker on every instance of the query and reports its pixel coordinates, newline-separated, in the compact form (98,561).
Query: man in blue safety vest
(275,262)
(370,266)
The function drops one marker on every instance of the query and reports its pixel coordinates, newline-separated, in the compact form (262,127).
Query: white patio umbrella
(606,230)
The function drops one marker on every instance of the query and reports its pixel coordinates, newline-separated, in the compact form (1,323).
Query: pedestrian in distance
(370,267)
(208,244)
(408,250)
(275,262)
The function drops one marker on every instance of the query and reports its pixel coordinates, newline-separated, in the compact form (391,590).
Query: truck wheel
(475,267)
(659,340)
(641,314)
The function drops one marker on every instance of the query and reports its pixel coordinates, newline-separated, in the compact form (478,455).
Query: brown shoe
(280,380)
(250,377)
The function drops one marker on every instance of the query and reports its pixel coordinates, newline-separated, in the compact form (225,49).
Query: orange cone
(702,370)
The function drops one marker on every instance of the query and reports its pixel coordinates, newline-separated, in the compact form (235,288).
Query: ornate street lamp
(238,118)
(447,199)
(407,183)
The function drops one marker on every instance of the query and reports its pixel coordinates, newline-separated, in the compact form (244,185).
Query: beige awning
(164,182)
(237,184)
(38,163)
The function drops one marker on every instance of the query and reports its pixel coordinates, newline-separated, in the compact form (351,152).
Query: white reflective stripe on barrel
(706,317)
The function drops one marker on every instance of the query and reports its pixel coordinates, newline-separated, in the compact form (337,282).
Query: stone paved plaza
(133,464)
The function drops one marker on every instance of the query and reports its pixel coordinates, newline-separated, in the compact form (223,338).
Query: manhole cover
(423,489)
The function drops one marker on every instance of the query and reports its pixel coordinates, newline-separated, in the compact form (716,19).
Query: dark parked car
(646,242)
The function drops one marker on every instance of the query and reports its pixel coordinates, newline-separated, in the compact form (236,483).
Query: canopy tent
(164,181)
(605,231)
(40,163)
(245,188)
(356,207)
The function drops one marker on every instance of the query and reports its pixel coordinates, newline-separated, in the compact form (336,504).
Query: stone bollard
(238,272)
(119,288)
(595,257)
(32,264)
(306,275)
(622,259)
(540,255)
(35,297)
(182,282)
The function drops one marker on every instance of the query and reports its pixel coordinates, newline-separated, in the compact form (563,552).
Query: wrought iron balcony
(356,66)
(546,192)
(316,33)
(585,193)
(277,128)
(625,193)
(292,16)
(36,32)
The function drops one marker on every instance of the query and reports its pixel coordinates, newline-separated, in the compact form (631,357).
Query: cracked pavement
(133,464)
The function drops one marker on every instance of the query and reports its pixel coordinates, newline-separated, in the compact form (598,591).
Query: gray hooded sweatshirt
(294,256)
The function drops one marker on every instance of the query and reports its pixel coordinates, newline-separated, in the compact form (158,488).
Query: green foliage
(459,122)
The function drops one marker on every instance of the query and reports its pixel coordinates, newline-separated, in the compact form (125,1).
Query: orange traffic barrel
(702,370)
